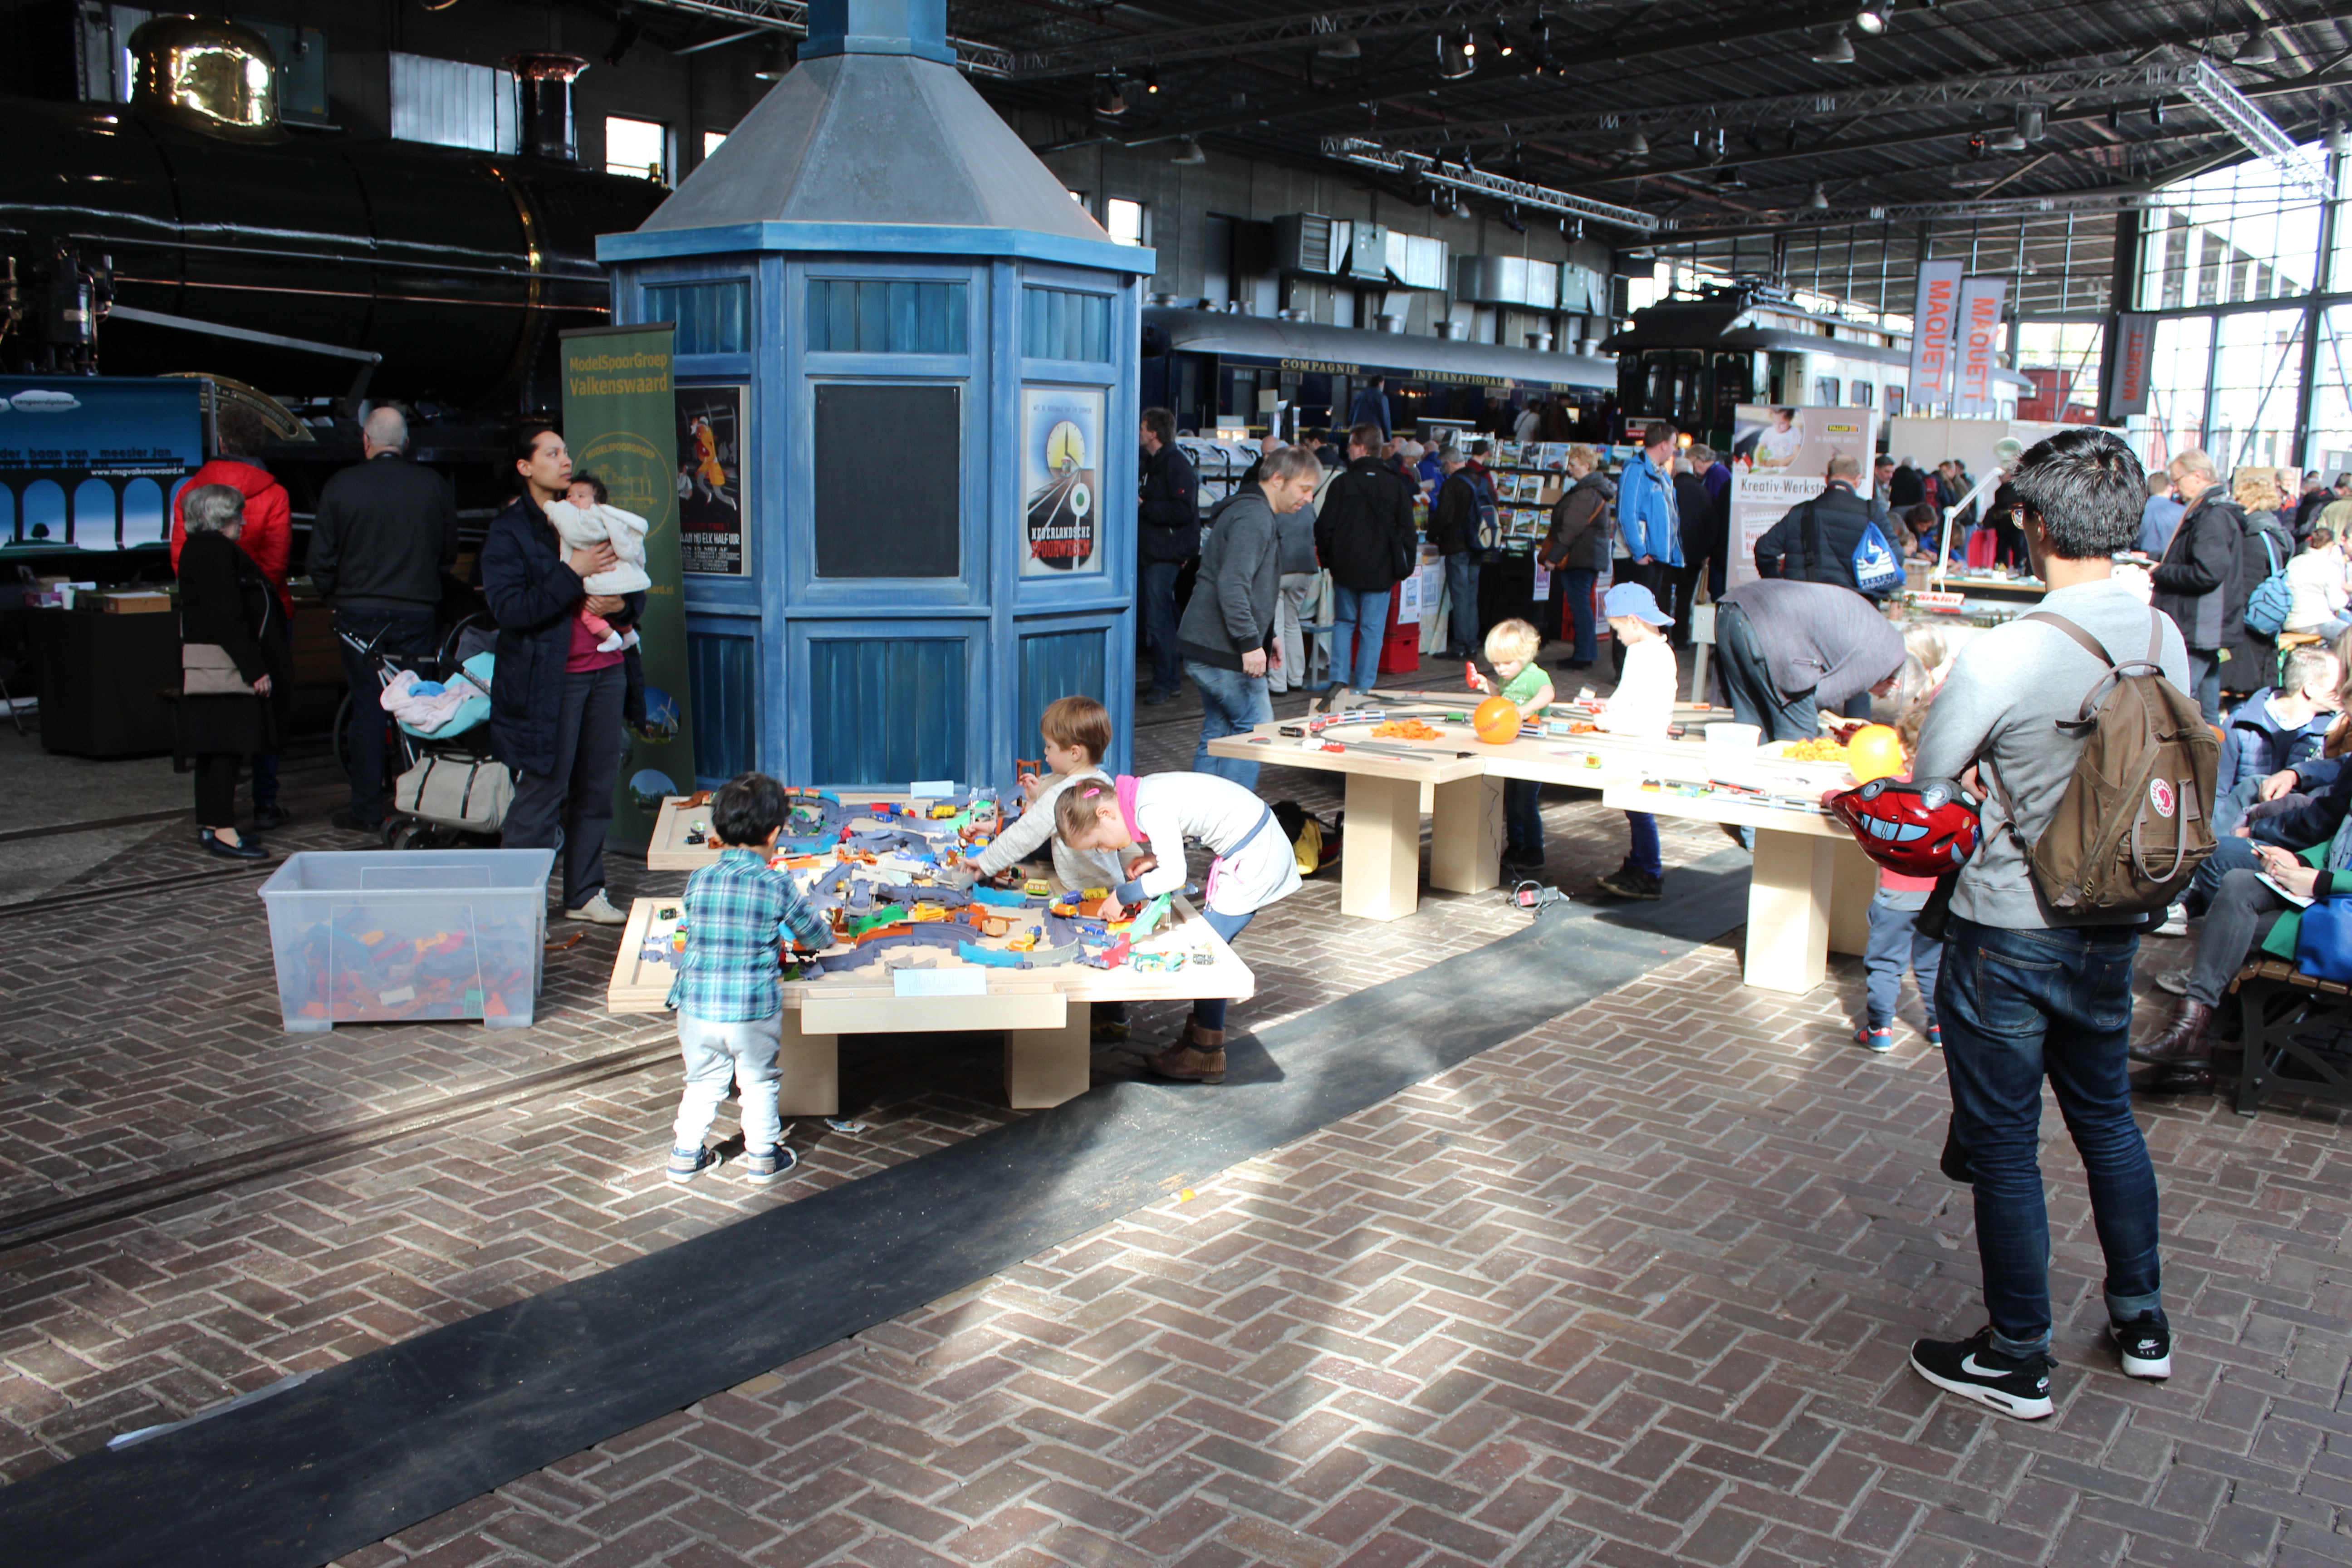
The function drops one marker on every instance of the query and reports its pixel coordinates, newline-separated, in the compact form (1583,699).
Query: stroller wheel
(405,835)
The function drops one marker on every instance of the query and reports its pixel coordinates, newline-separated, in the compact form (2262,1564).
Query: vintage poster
(1779,457)
(711,445)
(1061,485)
(620,419)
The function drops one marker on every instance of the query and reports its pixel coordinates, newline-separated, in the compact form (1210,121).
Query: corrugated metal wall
(885,709)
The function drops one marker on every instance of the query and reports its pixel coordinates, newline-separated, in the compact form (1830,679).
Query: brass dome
(206,75)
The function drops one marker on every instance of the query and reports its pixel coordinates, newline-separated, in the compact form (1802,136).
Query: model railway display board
(913,955)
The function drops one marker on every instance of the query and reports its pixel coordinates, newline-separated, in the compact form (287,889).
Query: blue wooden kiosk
(927,354)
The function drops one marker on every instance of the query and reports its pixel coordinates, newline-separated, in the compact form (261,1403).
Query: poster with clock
(1061,479)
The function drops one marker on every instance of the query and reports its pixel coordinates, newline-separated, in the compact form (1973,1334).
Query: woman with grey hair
(225,610)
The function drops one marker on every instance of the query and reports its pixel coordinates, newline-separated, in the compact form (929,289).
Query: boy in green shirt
(1511,649)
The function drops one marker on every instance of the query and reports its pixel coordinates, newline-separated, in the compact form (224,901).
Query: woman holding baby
(567,598)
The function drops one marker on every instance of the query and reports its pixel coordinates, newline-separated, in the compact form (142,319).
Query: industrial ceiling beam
(789,19)
(2218,97)
(2128,81)
(1537,198)
(1264,33)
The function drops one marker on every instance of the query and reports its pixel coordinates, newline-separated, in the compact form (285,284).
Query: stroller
(449,785)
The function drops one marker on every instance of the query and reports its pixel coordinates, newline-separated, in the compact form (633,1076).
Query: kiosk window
(880,518)
(712,318)
(1061,323)
(849,316)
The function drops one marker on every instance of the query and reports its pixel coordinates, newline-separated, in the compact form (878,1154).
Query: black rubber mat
(362,1450)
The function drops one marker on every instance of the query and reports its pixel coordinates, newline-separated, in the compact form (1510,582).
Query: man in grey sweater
(1787,649)
(1228,636)
(2027,992)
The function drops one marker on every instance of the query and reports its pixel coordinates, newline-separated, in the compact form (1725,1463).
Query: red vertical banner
(1982,299)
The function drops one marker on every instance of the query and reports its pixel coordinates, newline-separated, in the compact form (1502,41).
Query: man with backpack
(1364,537)
(2037,974)
(1836,538)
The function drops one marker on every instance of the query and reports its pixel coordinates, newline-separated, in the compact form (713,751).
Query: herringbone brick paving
(1633,1288)
(1636,1289)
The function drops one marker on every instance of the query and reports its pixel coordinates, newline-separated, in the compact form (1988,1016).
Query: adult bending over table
(1787,649)
(555,701)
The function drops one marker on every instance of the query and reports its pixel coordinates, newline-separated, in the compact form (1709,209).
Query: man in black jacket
(1702,537)
(1363,536)
(2200,570)
(385,538)
(1453,516)
(1168,534)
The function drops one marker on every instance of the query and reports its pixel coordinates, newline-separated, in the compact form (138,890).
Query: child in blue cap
(1643,706)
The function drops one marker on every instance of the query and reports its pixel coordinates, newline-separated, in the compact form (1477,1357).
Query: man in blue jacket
(555,701)
(1647,519)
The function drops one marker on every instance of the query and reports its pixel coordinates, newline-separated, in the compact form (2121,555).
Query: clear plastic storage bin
(378,938)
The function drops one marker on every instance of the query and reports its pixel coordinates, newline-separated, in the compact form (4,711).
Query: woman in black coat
(226,609)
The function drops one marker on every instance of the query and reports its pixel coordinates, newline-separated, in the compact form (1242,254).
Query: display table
(101,676)
(1044,1012)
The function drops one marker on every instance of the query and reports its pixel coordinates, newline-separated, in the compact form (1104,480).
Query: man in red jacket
(268,537)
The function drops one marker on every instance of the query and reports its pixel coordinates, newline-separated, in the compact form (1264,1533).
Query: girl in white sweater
(1254,866)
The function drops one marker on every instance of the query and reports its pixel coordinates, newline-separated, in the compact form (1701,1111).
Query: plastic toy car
(1037,887)
(1158,963)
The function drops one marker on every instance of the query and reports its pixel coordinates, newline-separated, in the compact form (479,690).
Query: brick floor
(1631,1289)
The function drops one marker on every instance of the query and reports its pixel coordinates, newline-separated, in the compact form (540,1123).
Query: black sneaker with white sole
(1972,1369)
(2146,1346)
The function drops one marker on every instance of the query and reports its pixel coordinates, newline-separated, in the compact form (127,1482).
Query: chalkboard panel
(889,481)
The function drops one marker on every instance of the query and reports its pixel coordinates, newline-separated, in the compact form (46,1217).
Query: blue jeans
(1209,1013)
(1462,589)
(1155,594)
(1893,946)
(1523,821)
(1641,853)
(2230,853)
(1577,584)
(1361,616)
(1232,703)
(2015,1007)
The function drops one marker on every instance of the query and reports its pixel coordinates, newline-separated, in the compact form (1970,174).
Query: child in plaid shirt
(730,1009)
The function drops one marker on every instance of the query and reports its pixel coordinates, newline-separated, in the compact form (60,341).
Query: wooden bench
(2287,642)
(2292,1021)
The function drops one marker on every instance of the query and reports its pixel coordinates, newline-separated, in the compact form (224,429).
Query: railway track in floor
(129,1200)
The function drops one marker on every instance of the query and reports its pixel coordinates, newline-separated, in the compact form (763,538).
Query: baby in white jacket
(586,518)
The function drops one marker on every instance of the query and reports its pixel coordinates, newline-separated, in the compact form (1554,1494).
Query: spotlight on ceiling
(1789,143)
(1109,101)
(2333,136)
(1732,179)
(1835,50)
(1340,47)
(1540,43)
(2156,111)
(1978,145)
(1817,198)
(2259,49)
(1572,229)
(1502,39)
(1456,55)
(2032,120)
(1633,145)
(1188,151)
(2115,117)
(1151,78)
(1870,19)
(1513,221)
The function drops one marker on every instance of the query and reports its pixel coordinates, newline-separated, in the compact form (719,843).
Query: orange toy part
(1496,720)
(1874,753)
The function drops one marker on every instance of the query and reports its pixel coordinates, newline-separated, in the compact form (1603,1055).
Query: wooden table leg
(1045,1066)
(1379,868)
(1789,910)
(808,1071)
(1853,880)
(1465,836)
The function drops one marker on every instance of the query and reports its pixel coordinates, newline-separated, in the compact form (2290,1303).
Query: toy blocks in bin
(372,938)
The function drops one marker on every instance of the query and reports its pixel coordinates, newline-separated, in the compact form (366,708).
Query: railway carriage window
(1825,391)
(638,149)
(1862,393)
(1895,402)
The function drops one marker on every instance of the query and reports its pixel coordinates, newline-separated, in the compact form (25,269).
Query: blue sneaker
(1935,1035)
(685,1164)
(1876,1038)
(762,1168)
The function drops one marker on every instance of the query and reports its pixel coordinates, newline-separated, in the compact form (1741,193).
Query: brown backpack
(2136,819)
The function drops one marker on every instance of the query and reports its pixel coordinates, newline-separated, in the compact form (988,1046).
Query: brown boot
(1197,1056)
(2182,1044)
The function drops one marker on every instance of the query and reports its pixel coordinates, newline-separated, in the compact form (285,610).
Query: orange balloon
(1874,753)
(1496,720)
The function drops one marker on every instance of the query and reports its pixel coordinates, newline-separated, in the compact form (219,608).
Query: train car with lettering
(1214,371)
(1695,361)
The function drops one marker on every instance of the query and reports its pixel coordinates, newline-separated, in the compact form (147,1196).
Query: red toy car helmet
(1914,829)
